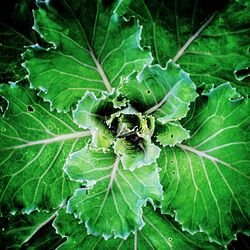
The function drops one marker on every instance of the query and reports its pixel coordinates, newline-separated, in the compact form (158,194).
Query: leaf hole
(172,161)
(3,129)
(214,65)
(30,109)
(173,172)
(169,239)
(171,135)
(148,92)
(49,128)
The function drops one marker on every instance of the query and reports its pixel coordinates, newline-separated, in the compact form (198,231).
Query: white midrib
(135,241)
(192,38)
(51,218)
(100,70)
(51,140)
(158,105)
(211,158)
(112,177)
(201,153)
(92,54)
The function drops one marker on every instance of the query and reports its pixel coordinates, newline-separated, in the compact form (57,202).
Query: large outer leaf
(207,180)
(19,229)
(15,32)
(159,233)
(34,144)
(92,49)
(208,38)
(112,201)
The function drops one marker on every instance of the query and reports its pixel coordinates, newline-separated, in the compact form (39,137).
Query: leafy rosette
(118,167)
(113,122)
(112,198)
(94,132)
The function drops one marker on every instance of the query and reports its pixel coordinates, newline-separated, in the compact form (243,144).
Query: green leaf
(90,114)
(15,33)
(133,130)
(242,71)
(34,146)
(208,39)
(159,233)
(91,49)
(112,201)
(19,229)
(133,138)
(171,134)
(166,92)
(46,238)
(136,154)
(206,179)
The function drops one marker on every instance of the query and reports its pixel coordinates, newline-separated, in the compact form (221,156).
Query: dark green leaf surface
(45,238)
(92,49)
(159,233)
(18,229)
(15,32)
(208,38)
(203,179)
(34,145)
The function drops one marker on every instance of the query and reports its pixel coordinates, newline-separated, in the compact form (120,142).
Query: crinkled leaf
(34,144)
(136,154)
(15,33)
(19,229)
(132,129)
(171,133)
(167,92)
(158,233)
(133,143)
(91,114)
(92,48)
(112,201)
(208,38)
(204,178)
